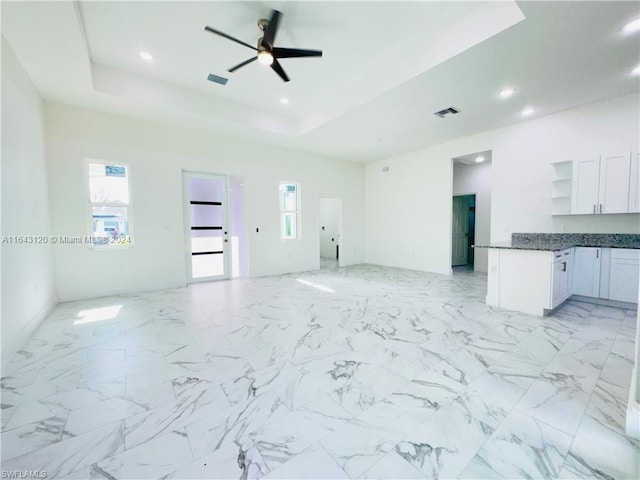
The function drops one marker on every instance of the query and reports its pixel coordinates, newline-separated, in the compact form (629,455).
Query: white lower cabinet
(609,273)
(586,271)
(561,280)
(535,282)
(530,281)
(624,273)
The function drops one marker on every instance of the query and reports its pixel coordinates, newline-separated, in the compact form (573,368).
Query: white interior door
(460,231)
(330,216)
(206,226)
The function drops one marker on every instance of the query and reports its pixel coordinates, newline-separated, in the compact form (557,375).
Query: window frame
(90,205)
(282,212)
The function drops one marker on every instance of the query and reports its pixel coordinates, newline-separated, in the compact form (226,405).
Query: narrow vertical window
(109,204)
(289,210)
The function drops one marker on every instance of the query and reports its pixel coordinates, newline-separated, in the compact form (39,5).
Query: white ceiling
(387,66)
(185,54)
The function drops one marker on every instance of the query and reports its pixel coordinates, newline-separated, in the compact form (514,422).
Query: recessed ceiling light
(636,71)
(146,56)
(632,27)
(527,111)
(284,101)
(479,159)
(507,92)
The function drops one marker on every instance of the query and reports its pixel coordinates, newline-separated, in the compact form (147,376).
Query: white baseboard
(10,348)
(604,301)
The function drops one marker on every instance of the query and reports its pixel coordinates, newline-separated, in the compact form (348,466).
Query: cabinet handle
(600,208)
(564,266)
(597,253)
(594,208)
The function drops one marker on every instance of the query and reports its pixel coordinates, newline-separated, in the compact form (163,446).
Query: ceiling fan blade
(270,33)
(278,69)
(295,52)
(229,37)
(240,65)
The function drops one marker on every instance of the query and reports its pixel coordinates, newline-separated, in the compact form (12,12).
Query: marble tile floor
(357,372)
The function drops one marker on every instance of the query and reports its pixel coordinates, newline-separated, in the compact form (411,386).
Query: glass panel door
(206,214)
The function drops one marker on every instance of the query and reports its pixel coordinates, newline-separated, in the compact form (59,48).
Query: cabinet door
(623,276)
(614,183)
(584,191)
(586,271)
(634,184)
(565,285)
(556,281)
(561,274)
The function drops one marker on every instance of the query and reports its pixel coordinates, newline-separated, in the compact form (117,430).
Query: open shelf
(563,170)
(561,188)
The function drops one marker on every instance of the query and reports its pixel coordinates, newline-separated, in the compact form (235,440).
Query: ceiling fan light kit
(266,53)
(265,58)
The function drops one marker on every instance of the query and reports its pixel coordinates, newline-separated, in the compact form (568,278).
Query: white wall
(413,199)
(522,175)
(329,216)
(476,179)
(156,154)
(237,230)
(28,284)
(408,208)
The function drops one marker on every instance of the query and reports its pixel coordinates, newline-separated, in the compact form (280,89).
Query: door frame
(186,175)
(339,243)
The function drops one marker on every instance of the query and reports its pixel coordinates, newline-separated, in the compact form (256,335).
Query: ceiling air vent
(447,111)
(216,79)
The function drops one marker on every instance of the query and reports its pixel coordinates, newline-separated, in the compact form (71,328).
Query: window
(289,210)
(109,202)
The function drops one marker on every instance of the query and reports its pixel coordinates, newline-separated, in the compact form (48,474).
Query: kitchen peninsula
(536,272)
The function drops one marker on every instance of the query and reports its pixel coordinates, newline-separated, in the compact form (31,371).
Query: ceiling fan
(267,54)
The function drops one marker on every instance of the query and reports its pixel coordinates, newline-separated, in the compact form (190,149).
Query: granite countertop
(555,242)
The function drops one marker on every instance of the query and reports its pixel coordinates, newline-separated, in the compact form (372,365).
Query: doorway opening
(214,226)
(464,228)
(330,218)
(471,219)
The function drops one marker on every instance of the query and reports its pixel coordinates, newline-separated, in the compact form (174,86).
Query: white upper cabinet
(634,184)
(586,180)
(601,185)
(614,183)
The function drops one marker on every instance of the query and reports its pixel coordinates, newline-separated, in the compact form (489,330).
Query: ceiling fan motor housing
(263,23)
